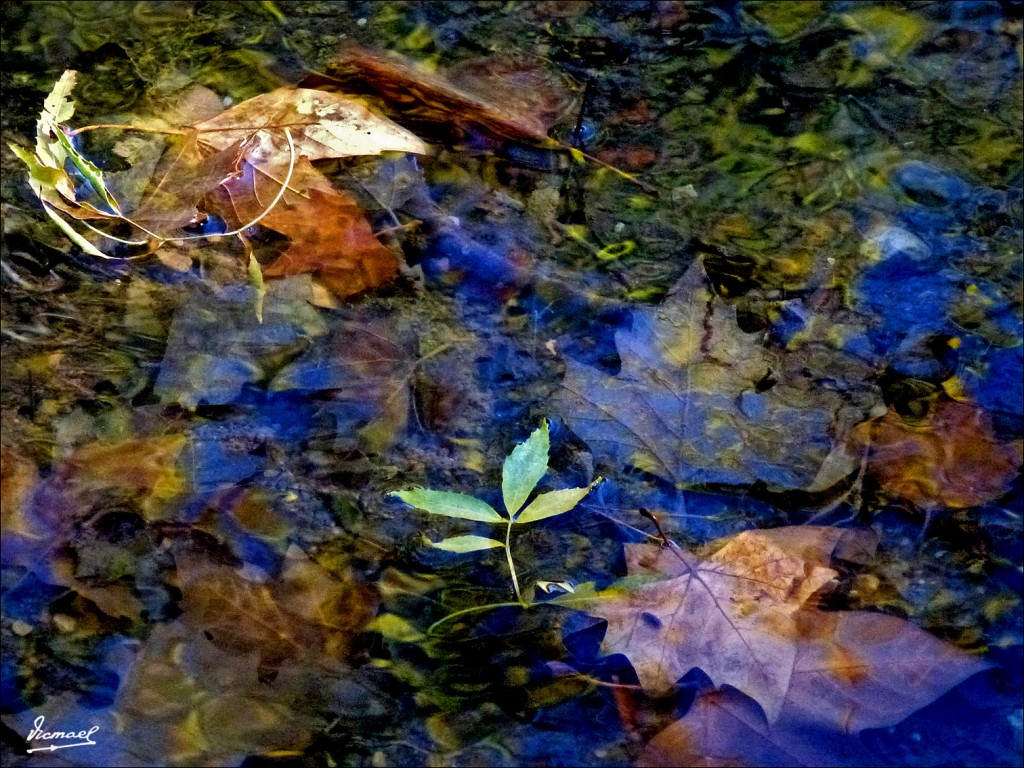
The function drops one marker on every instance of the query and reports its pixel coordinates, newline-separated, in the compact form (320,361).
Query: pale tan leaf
(323,125)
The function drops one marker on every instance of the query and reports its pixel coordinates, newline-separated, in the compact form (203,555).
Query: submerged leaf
(329,236)
(949,459)
(497,97)
(449,504)
(524,468)
(395,628)
(698,400)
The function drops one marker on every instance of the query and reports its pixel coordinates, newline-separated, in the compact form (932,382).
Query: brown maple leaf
(745,616)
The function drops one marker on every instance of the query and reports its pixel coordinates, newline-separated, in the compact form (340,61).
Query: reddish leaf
(950,459)
(329,235)
(500,97)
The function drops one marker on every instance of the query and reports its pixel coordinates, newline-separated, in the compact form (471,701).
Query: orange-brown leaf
(329,236)
(950,459)
(146,467)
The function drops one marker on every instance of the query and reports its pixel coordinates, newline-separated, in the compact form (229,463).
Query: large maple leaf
(745,617)
(697,400)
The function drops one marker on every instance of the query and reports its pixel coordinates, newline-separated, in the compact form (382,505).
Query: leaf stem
(511,564)
(127,127)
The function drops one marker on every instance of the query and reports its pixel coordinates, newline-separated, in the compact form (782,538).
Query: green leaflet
(76,238)
(524,467)
(554,503)
(256,280)
(42,178)
(450,505)
(57,108)
(88,169)
(465,543)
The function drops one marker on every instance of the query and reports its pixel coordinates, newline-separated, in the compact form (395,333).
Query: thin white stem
(511,564)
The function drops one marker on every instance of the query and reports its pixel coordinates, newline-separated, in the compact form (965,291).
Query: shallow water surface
(745,275)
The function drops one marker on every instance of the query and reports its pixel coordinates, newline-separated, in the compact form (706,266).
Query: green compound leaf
(554,503)
(450,505)
(524,468)
(465,543)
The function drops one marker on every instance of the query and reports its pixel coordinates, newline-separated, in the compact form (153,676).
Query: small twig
(666,541)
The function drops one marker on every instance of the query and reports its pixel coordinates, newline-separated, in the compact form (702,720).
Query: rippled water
(783,289)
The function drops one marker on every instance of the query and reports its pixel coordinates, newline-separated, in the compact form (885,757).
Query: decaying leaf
(362,375)
(949,459)
(698,400)
(854,671)
(745,616)
(187,702)
(17,477)
(307,614)
(323,125)
(144,467)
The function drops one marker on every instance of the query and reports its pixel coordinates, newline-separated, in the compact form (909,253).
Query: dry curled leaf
(323,125)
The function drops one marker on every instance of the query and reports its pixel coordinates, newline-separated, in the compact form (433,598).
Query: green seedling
(522,470)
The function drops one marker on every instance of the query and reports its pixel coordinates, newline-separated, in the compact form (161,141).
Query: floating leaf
(450,505)
(524,468)
(554,503)
(465,543)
